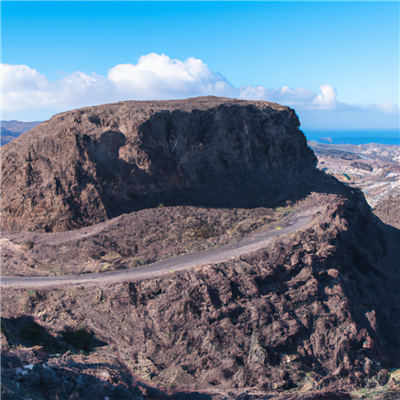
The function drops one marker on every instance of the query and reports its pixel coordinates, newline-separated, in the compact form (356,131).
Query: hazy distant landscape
(12,129)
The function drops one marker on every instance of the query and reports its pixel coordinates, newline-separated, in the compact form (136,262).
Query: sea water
(354,136)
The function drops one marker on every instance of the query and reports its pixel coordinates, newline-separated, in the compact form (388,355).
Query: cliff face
(89,165)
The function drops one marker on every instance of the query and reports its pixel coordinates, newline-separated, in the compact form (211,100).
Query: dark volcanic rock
(313,310)
(89,165)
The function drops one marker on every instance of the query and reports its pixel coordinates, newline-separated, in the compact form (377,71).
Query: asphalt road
(245,245)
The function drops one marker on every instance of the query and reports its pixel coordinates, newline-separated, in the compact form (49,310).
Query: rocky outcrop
(315,309)
(93,164)
(38,365)
(311,311)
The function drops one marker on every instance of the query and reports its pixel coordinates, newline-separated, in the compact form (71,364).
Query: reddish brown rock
(89,165)
(258,321)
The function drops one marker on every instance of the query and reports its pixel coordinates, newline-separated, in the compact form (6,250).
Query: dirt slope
(130,240)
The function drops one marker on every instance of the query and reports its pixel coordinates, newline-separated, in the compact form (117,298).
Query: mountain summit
(89,165)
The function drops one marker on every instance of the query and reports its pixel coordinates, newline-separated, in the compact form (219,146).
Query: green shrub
(106,267)
(138,261)
(203,232)
(28,244)
(80,339)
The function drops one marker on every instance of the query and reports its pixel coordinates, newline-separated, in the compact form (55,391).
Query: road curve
(254,242)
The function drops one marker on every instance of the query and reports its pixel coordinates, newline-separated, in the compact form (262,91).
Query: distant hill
(12,129)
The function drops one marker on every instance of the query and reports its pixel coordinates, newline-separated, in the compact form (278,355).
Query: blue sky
(350,47)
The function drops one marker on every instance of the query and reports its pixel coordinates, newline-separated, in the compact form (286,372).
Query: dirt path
(246,245)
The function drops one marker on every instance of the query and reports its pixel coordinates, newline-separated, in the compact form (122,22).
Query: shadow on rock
(23,330)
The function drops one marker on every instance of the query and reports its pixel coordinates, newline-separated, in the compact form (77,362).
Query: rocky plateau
(89,165)
(311,316)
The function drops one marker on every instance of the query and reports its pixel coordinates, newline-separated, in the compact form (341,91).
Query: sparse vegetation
(111,256)
(202,232)
(156,236)
(138,261)
(28,244)
(54,272)
(285,210)
(106,267)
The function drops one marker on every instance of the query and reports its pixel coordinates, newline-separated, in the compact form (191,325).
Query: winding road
(254,242)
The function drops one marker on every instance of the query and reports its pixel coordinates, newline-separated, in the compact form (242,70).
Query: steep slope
(311,311)
(93,164)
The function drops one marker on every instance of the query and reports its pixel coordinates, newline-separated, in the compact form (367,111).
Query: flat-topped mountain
(95,163)
(309,312)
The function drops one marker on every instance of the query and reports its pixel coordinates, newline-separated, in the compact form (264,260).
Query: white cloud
(328,97)
(284,95)
(159,77)
(388,107)
(21,78)
(24,88)
(29,95)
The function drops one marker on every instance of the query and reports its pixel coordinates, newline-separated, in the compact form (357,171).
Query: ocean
(353,136)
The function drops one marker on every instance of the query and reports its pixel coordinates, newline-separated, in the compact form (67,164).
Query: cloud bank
(29,95)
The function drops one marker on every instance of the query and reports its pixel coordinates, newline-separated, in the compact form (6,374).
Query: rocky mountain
(312,315)
(12,129)
(93,164)
(314,311)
